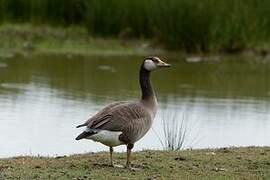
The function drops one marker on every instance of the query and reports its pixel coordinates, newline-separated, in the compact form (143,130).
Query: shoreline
(26,39)
(23,39)
(124,151)
(221,163)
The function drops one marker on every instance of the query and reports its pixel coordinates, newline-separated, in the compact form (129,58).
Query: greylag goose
(125,122)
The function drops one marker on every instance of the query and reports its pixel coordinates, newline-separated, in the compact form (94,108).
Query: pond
(43,98)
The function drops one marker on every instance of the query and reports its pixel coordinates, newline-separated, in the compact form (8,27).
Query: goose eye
(155,60)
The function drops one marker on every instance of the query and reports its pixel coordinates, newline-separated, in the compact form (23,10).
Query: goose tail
(81,125)
(86,133)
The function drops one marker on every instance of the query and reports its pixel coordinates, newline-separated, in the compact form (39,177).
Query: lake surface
(43,98)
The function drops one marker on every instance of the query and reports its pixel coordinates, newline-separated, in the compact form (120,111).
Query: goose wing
(131,118)
(120,117)
(101,115)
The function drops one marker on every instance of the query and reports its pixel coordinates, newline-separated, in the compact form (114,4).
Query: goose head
(152,63)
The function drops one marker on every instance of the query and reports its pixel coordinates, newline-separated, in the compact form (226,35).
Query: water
(43,98)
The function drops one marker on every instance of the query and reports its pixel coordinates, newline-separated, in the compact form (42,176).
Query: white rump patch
(108,138)
(149,65)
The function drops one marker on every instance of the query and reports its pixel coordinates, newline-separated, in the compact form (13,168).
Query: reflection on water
(43,98)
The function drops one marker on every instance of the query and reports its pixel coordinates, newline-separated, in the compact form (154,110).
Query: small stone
(225,150)
(194,59)
(58,157)
(219,169)
(238,157)
(180,158)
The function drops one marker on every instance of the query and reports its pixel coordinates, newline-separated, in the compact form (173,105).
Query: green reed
(191,25)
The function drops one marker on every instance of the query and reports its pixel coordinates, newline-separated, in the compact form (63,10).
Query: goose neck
(146,86)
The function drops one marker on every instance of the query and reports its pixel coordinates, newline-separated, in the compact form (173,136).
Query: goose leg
(129,148)
(111,160)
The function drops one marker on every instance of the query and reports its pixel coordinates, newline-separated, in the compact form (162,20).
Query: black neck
(146,87)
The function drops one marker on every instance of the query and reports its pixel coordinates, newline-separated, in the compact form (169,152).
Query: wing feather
(131,118)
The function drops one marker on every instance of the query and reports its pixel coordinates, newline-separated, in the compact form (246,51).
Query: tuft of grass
(175,132)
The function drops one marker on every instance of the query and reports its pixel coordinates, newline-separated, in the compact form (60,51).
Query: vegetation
(226,163)
(28,39)
(175,132)
(191,25)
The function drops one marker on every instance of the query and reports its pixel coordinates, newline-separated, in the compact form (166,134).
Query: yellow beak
(162,64)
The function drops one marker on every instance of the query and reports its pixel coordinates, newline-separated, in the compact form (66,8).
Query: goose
(124,123)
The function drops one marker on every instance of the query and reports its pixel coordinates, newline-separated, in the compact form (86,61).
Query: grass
(226,163)
(25,38)
(190,25)
(175,132)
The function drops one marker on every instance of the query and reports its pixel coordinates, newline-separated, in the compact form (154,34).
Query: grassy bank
(190,25)
(229,163)
(26,38)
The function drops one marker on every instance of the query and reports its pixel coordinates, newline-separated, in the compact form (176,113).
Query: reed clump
(190,25)
(175,132)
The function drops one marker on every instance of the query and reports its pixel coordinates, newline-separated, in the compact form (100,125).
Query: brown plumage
(126,122)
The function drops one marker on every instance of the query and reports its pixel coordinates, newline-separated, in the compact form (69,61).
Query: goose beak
(162,64)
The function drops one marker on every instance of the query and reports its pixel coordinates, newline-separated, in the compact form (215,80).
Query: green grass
(25,38)
(190,25)
(228,163)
